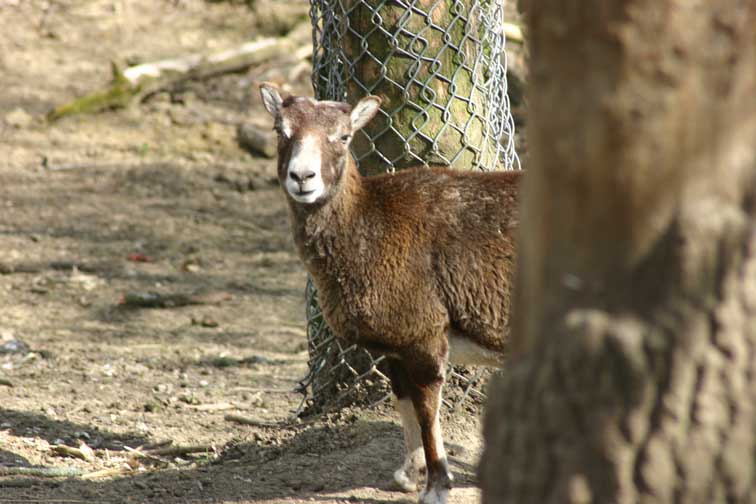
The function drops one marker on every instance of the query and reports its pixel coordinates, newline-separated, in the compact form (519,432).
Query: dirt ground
(158,198)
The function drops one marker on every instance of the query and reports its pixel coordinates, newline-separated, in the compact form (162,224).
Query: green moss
(118,95)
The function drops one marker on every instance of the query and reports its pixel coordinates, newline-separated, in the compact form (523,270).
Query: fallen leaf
(138,257)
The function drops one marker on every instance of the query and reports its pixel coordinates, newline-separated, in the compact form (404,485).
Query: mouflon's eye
(279,130)
(345,138)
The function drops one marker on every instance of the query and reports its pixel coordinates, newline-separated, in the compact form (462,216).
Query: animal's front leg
(426,398)
(408,476)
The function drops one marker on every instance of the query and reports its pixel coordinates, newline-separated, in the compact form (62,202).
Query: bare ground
(159,198)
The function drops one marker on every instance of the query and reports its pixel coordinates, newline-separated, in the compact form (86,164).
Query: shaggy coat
(400,259)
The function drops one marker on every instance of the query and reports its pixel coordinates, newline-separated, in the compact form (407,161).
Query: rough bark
(413,60)
(634,369)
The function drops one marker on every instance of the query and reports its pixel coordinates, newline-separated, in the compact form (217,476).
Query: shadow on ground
(278,463)
(25,424)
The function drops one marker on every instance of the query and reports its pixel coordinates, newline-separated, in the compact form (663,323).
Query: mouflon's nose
(301,177)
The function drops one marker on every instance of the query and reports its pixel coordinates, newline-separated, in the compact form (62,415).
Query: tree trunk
(421,61)
(634,370)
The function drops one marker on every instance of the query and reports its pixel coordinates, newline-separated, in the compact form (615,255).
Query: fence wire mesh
(440,68)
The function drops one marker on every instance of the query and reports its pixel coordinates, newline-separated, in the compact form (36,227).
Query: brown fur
(401,260)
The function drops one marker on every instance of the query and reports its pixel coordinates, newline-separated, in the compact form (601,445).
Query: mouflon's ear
(271,98)
(364,111)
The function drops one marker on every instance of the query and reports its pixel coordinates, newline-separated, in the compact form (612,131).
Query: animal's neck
(350,195)
(321,228)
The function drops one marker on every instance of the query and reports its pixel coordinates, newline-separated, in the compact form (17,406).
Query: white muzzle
(304,178)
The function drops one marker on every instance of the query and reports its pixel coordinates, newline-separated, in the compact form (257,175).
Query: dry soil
(158,198)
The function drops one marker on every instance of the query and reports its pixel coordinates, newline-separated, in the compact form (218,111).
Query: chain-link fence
(440,68)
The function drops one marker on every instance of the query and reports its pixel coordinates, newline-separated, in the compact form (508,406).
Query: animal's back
(466,223)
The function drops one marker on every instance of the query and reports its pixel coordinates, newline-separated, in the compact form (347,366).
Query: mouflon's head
(313,141)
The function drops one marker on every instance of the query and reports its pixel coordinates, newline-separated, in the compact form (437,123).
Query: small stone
(14,346)
(152,406)
(18,118)
(190,266)
(204,321)
(256,141)
(189,398)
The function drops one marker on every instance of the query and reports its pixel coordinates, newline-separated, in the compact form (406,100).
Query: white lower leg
(434,493)
(408,475)
(439,437)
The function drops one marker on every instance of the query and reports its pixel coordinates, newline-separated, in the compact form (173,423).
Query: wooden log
(245,420)
(41,472)
(180,451)
(144,80)
(83,452)
(159,74)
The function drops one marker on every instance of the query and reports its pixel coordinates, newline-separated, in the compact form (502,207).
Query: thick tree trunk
(634,369)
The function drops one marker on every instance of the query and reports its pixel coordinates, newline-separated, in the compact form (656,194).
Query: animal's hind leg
(425,391)
(408,476)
